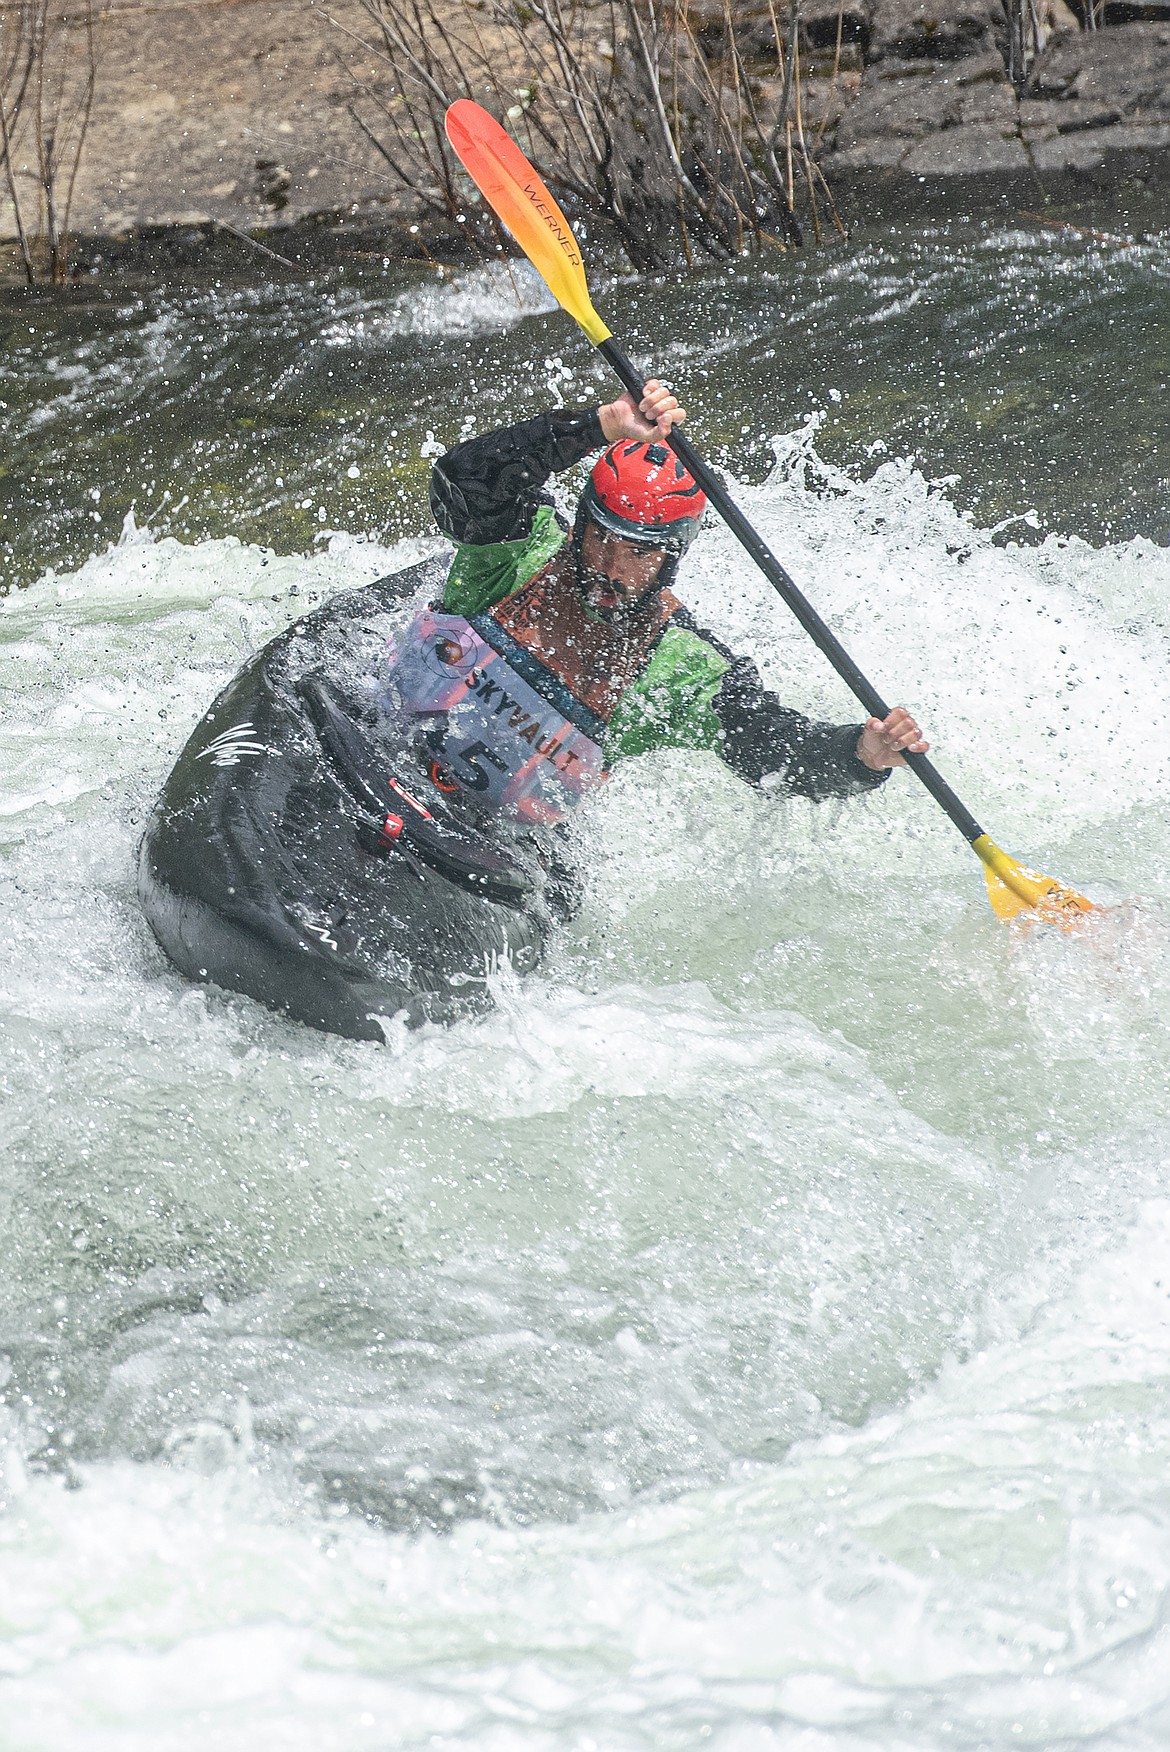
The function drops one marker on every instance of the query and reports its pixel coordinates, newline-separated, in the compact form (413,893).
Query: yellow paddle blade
(1015,892)
(517,196)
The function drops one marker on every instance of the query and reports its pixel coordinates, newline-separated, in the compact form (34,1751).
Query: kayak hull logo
(230,746)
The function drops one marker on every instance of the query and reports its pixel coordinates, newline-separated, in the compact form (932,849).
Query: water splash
(791,1142)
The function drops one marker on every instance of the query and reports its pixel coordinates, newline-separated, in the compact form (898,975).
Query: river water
(756,1333)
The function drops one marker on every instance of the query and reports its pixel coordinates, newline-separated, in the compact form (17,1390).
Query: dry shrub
(48,74)
(648,119)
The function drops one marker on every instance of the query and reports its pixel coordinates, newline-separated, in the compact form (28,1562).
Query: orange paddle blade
(517,196)
(1016,892)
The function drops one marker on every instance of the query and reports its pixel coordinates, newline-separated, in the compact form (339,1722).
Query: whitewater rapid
(755,1334)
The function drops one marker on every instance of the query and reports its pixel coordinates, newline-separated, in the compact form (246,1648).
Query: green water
(1033,365)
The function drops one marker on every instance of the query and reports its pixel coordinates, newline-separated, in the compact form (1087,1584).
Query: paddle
(518,197)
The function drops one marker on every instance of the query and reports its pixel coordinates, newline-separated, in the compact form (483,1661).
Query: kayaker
(368,820)
(557,652)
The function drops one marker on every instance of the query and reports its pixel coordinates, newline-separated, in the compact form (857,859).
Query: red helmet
(643,493)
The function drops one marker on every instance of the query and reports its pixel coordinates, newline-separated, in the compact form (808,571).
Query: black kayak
(300,853)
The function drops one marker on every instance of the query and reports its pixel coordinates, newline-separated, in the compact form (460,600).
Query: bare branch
(633,128)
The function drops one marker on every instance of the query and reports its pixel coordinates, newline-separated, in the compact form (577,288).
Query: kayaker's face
(616,575)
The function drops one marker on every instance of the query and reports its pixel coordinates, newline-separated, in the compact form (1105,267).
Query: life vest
(513,705)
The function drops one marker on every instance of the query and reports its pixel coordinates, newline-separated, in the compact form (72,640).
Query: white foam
(485,300)
(787,1121)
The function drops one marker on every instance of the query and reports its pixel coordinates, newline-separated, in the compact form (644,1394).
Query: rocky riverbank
(215,118)
(1091,116)
(227,122)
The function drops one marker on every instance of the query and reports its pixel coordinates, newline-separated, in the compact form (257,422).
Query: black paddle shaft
(806,614)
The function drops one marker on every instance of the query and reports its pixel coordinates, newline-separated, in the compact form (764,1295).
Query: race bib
(494,733)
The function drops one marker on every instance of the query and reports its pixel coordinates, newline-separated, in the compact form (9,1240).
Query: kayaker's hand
(624,418)
(882,741)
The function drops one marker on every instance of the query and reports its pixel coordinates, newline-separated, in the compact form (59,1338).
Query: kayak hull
(264,868)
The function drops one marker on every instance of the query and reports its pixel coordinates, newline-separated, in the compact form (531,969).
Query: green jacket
(669,706)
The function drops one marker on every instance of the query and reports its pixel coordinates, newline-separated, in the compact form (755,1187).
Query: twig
(10,178)
(223,225)
(86,109)
(1081,230)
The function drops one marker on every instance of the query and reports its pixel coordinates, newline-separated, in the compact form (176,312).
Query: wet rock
(1125,71)
(937,30)
(755,28)
(912,100)
(1054,16)
(825,98)
(878,152)
(1097,105)
(967,151)
(1139,149)
(824,101)
(1040,119)
(273,181)
(1110,12)
(824,23)
(1099,96)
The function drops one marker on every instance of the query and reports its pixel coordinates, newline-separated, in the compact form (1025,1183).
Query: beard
(604,601)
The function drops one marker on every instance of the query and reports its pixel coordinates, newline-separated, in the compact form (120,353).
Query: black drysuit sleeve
(489,489)
(766,741)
